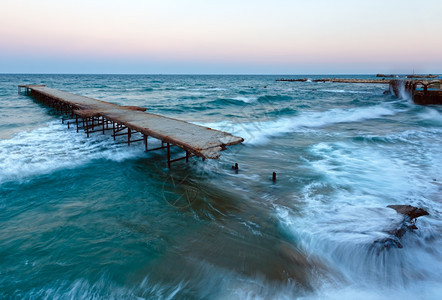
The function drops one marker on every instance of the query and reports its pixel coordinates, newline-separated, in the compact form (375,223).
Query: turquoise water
(96,219)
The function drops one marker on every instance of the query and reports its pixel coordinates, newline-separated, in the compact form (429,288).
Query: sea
(94,218)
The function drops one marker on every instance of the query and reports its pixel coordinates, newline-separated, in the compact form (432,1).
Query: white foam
(257,132)
(245,99)
(429,291)
(402,93)
(55,147)
(373,171)
(431,114)
(103,288)
(345,213)
(345,91)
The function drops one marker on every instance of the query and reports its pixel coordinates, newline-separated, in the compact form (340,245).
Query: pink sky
(271,37)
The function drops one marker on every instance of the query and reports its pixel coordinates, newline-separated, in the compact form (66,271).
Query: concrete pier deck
(91,113)
(422,92)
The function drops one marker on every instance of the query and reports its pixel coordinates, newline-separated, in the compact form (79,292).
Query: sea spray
(259,131)
(54,147)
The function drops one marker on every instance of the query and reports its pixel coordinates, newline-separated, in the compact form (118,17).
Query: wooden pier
(92,115)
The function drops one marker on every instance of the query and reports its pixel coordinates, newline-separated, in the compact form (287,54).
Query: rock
(410,211)
(410,214)
(387,243)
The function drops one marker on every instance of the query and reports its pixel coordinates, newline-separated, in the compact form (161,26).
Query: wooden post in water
(168,155)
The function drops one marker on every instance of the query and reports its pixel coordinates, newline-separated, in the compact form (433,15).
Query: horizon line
(217,74)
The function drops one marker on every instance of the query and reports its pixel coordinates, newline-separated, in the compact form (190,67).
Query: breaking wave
(258,132)
(54,147)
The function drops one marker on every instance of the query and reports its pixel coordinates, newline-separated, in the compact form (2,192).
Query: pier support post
(113,130)
(168,155)
(87,127)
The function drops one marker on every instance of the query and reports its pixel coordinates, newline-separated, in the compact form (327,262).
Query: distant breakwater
(341,80)
(408,76)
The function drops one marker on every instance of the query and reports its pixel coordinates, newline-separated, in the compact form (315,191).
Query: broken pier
(92,115)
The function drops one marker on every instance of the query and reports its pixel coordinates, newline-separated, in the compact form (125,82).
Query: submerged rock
(410,214)
(410,211)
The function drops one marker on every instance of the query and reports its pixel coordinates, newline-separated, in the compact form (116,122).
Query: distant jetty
(430,76)
(423,89)
(423,92)
(341,80)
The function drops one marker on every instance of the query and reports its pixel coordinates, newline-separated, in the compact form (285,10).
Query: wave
(147,89)
(282,111)
(209,89)
(55,147)
(410,137)
(245,99)
(258,132)
(270,98)
(251,99)
(345,213)
(353,165)
(345,233)
(345,91)
(237,101)
(241,100)
(431,116)
(103,288)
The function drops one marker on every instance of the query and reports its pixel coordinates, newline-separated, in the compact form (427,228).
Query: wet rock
(410,211)
(410,214)
(387,243)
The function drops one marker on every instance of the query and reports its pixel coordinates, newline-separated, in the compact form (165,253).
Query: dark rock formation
(408,223)
(385,75)
(410,211)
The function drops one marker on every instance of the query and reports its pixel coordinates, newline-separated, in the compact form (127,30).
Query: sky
(221,37)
